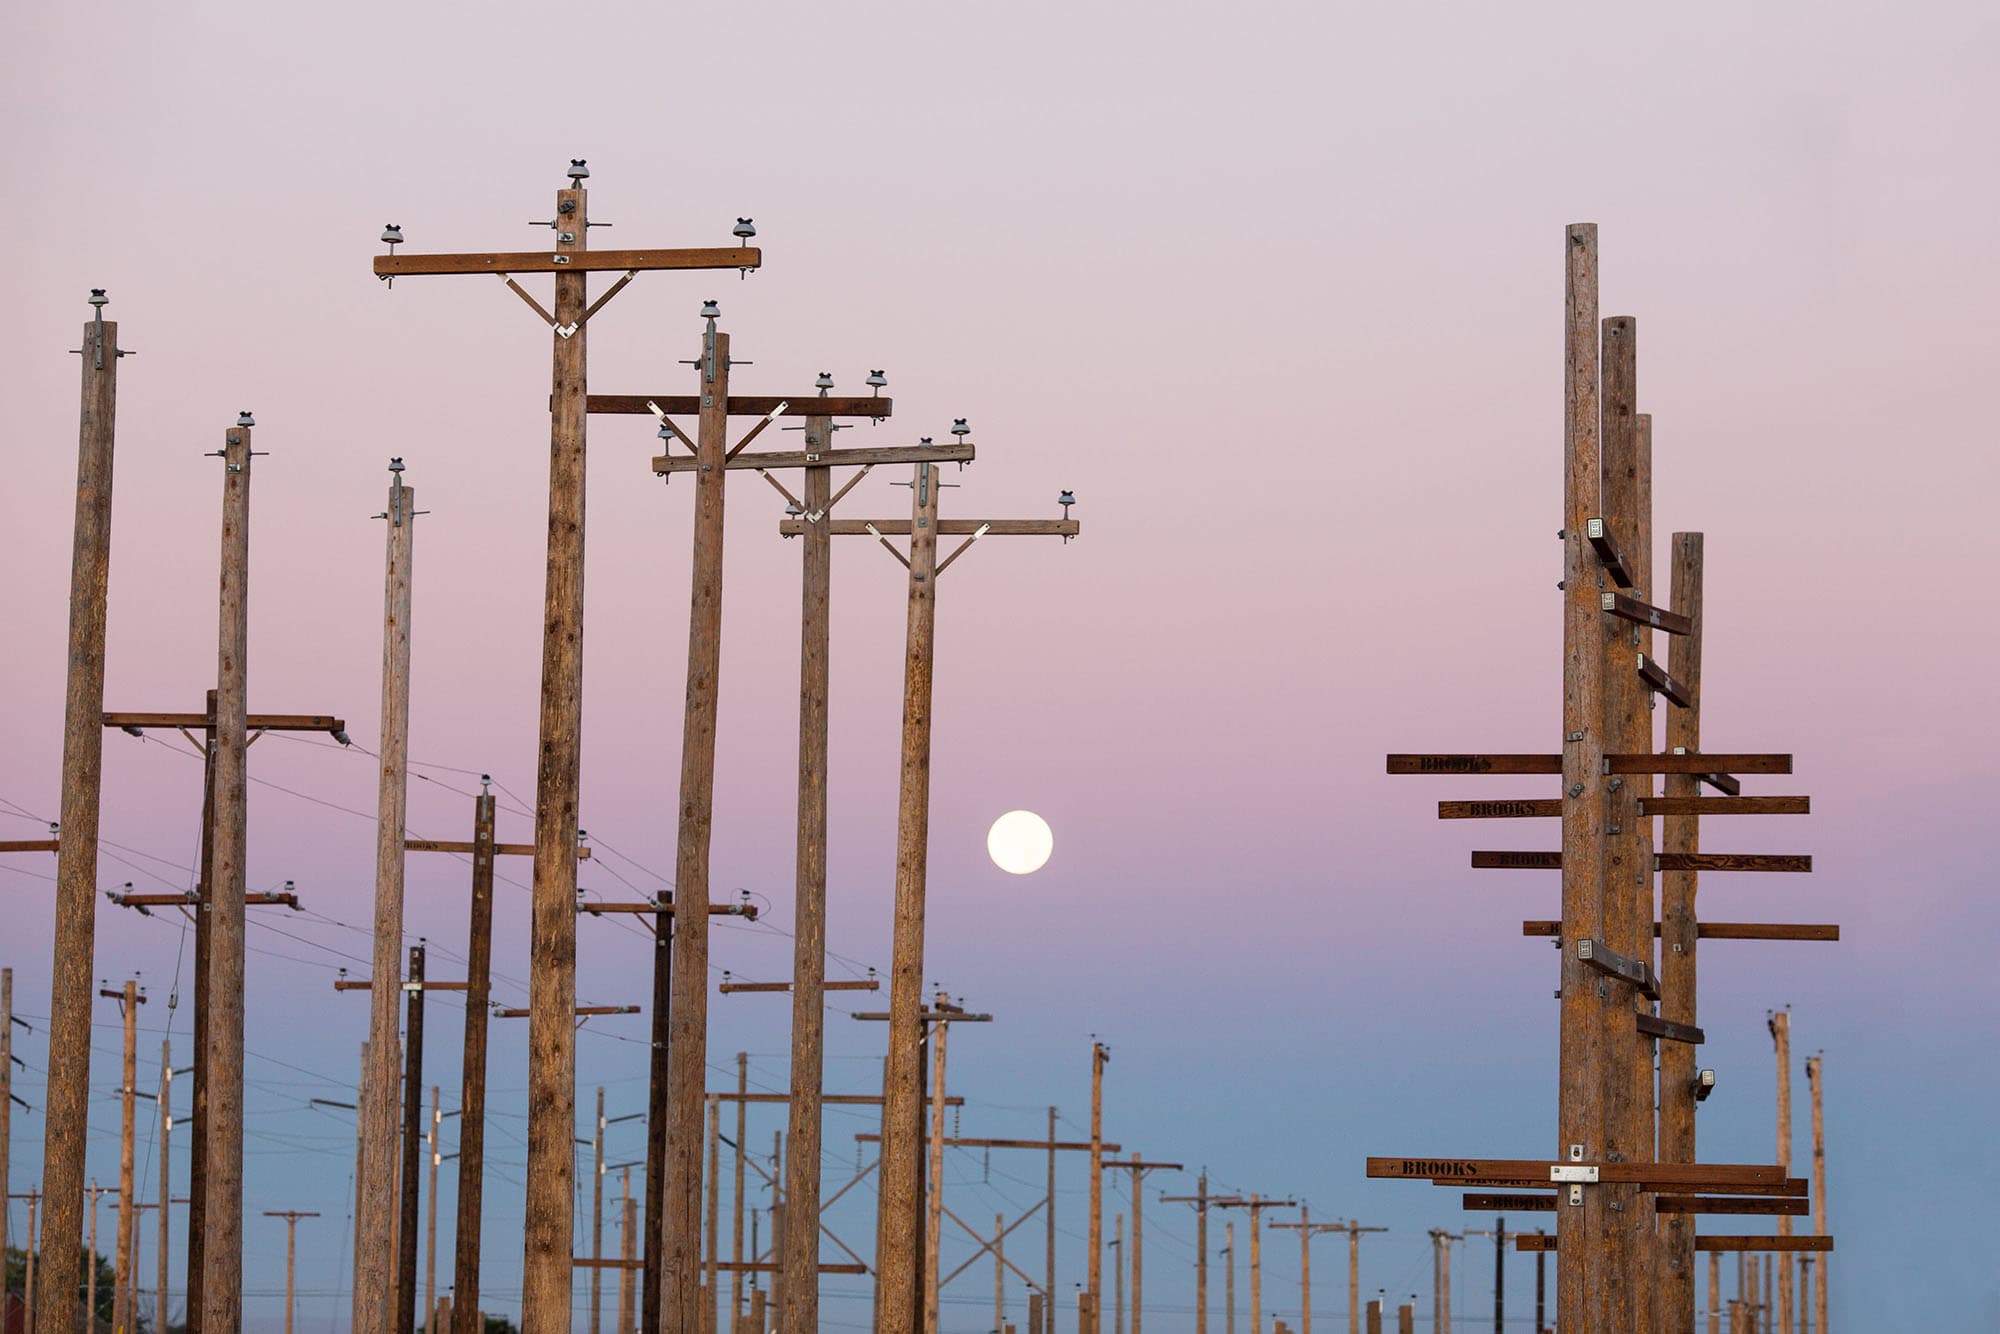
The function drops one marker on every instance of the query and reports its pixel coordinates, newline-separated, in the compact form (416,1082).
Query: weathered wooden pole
(934,1192)
(656,1117)
(798,1260)
(1305,1269)
(1630,1245)
(197,1231)
(1229,1277)
(736,1193)
(1093,1278)
(548,1252)
(628,1236)
(413,1139)
(711,1294)
(90,1279)
(222,1225)
(999,1273)
(66,1123)
(472,1093)
(360,1150)
(431,1214)
(166,1182)
(1353,1276)
(1679,937)
(7,1104)
(1714,1293)
(896,1260)
(1118,1273)
(1813,1077)
(374,1310)
(688,1026)
(291,1217)
(1048,1325)
(124,1316)
(1201,1257)
(1781,1041)
(1583,1018)
(597,1215)
(28,1284)
(1256,1267)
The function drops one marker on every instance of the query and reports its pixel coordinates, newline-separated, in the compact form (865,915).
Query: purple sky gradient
(1277,291)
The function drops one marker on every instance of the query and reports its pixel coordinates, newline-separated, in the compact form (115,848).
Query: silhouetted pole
(1781,1041)
(1200,1201)
(7,1107)
(375,1226)
(1093,1276)
(166,1179)
(934,1201)
(656,1117)
(431,1217)
(472,1095)
(123,1312)
(1813,1076)
(1229,1280)
(222,1244)
(597,1214)
(67,1114)
(413,1140)
(1048,1325)
(291,1217)
(197,1230)
(736,1195)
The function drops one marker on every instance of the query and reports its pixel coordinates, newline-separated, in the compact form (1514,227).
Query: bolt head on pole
(578,171)
(244,418)
(744,228)
(98,299)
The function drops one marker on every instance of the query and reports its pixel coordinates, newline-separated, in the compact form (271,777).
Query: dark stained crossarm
(551,261)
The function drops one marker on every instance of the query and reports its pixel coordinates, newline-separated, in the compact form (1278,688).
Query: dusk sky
(1277,291)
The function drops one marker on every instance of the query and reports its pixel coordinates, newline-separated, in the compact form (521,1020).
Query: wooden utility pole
(96,1192)
(1229,1280)
(651,1278)
(123,1315)
(7,1118)
(709,1294)
(431,1215)
(1781,1040)
(1200,1200)
(628,1233)
(375,1227)
(166,1181)
(897,1230)
(1354,1232)
(1118,1274)
(1307,1230)
(291,1217)
(1680,932)
(67,1112)
(934,1195)
(1048,1325)
(1139,1168)
(1813,1078)
(1100,1056)
(1254,1205)
(548,1253)
(999,1274)
(597,1213)
(413,1139)
(736,1199)
(222,1221)
(1441,1279)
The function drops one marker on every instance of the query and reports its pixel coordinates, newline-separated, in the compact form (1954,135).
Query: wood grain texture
(68,1085)
(688,1017)
(1644,613)
(1691,804)
(808,404)
(551,1175)
(798,1257)
(1721,930)
(375,1224)
(946,527)
(841,458)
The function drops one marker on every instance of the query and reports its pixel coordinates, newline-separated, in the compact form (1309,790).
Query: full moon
(1020,842)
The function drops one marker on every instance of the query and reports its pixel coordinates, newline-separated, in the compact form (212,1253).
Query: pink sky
(1277,292)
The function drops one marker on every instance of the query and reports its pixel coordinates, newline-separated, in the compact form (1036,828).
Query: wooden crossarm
(945,527)
(465,849)
(1542,1241)
(1608,552)
(1658,678)
(1521,808)
(1641,613)
(30,845)
(1704,766)
(868,455)
(1720,930)
(1655,1027)
(1542,1171)
(255,722)
(740,405)
(553,261)
(582,1011)
(1613,964)
(1065,1146)
(1511,860)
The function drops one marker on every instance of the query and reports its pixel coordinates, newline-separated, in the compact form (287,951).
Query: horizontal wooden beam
(945,527)
(1641,613)
(1655,1027)
(30,845)
(256,722)
(1519,808)
(726,1266)
(189,898)
(1615,764)
(740,405)
(1608,961)
(1542,1171)
(1725,805)
(1791,1188)
(583,1011)
(842,1099)
(649,909)
(1660,680)
(550,261)
(1721,782)
(953,1016)
(1546,1241)
(869,455)
(465,849)
(1062,1145)
(1522,1202)
(1721,930)
(1509,860)
(869,984)
(1608,552)
(363,984)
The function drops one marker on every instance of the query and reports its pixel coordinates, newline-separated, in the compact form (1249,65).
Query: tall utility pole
(375,1286)
(1354,1231)
(222,1222)
(897,1229)
(1100,1056)
(472,1091)
(1201,1200)
(413,1139)
(291,1217)
(1229,1280)
(431,1215)
(597,1214)
(548,1252)
(1781,1040)
(1139,1168)
(934,1195)
(1048,1325)
(7,1113)
(166,1180)
(1441,1279)
(628,1232)
(1680,833)
(68,1098)
(1307,1230)
(1254,1205)
(129,1000)
(1813,1083)
(1118,1274)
